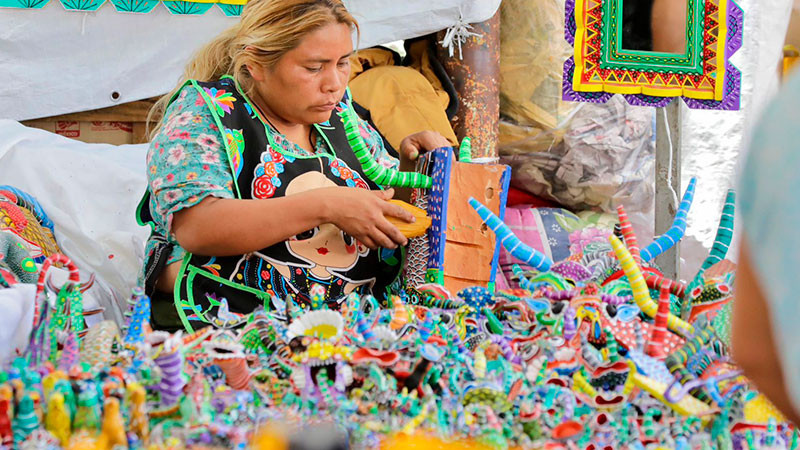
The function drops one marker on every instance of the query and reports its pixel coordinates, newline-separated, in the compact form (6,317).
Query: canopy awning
(54,61)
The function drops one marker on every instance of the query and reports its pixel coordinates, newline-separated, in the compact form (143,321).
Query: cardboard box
(117,133)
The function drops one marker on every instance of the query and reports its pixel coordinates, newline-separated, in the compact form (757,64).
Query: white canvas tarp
(56,62)
(90,192)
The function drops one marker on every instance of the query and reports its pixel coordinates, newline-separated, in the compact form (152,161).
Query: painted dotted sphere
(476,297)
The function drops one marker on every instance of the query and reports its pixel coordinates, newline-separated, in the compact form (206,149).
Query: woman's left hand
(416,144)
(410,149)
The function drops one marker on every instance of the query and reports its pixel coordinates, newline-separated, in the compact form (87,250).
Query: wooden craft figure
(461,252)
(26,237)
(458,251)
(52,323)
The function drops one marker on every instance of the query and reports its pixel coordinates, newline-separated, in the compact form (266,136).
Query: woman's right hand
(361,214)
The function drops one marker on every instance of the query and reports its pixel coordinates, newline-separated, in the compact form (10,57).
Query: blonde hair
(267,30)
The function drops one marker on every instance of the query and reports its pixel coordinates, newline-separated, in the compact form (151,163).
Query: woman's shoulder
(188,98)
(186,118)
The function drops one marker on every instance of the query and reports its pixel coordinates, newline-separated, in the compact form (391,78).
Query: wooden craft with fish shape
(459,251)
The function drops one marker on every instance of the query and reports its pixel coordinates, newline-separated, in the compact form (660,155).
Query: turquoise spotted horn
(510,241)
(675,233)
(377,173)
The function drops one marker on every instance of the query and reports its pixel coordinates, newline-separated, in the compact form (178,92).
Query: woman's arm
(752,338)
(227,227)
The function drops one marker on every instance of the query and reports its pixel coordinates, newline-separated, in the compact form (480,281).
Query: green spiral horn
(465,150)
(374,171)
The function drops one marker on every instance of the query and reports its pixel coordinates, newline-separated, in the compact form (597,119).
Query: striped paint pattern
(377,173)
(641,295)
(41,298)
(465,150)
(719,250)
(627,233)
(524,282)
(655,347)
(724,233)
(510,241)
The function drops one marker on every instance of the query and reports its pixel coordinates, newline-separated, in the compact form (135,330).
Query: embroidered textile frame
(703,75)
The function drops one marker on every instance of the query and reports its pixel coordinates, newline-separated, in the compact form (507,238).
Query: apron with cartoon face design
(223,290)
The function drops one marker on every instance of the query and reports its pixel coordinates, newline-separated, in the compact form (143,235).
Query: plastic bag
(602,157)
(532,55)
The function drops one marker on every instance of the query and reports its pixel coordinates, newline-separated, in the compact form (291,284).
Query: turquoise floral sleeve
(186,162)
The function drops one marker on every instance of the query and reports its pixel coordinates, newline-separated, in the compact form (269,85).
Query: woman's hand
(410,149)
(416,144)
(360,213)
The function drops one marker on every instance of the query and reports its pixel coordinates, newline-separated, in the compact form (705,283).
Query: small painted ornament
(25,419)
(6,433)
(57,419)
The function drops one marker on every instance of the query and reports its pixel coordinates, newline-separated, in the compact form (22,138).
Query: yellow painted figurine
(112,432)
(57,419)
(138,414)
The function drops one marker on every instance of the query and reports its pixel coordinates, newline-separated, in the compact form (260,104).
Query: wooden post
(477,81)
(668,155)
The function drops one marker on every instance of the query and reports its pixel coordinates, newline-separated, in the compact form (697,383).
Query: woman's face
(308,81)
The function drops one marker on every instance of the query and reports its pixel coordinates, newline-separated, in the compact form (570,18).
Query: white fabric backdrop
(714,142)
(56,62)
(90,191)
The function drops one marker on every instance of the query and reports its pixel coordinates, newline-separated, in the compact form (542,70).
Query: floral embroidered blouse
(186,163)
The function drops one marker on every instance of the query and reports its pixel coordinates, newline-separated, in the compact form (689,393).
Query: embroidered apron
(223,290)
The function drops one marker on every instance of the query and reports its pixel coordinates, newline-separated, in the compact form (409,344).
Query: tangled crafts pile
(598,352)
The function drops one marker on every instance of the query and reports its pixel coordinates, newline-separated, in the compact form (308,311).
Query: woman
(254,191)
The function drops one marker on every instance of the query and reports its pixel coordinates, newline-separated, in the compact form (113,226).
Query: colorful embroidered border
(231,8)
(589,78)
(613,56)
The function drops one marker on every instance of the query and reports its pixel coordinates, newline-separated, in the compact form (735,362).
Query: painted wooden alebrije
(510,241)
(628,234)
(462,252)
(653,278)
(719,251)
(373,170)
(676,231)
(655,348)
(641,295)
